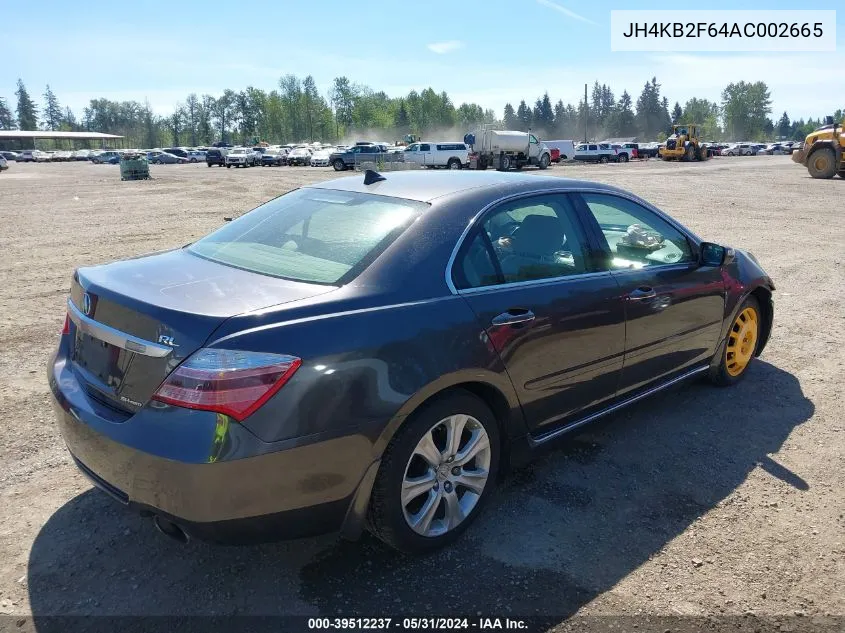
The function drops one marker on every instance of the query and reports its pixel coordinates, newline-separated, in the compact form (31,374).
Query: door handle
(642,293)
(514,316)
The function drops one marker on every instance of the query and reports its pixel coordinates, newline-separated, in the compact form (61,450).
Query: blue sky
(484,51)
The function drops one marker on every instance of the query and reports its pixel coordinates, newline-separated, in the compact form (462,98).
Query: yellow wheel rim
(820,163)
(742,340)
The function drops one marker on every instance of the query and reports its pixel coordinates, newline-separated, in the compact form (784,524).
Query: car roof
(427,186)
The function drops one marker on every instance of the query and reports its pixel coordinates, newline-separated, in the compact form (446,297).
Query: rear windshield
(311,235)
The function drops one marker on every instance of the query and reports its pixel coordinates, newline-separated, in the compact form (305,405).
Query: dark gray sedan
(377,351)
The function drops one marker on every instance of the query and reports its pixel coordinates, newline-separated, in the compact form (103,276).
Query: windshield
(311,235)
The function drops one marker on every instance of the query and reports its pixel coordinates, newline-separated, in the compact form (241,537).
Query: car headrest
(542,234)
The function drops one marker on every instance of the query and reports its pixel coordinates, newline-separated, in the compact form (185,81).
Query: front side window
(532,138)
(635,236)
(310,235)
(523,240)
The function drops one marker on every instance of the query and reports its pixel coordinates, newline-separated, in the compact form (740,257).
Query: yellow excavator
(684,144)
(822,151)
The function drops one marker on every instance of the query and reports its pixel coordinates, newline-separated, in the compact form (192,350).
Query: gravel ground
(697,502)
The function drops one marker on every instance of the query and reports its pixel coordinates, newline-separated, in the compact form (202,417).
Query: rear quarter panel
(365,368)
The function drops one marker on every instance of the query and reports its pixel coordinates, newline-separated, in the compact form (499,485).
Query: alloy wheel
(446,475)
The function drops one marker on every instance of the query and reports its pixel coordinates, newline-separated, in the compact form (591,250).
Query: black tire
(385,517)
(228,166)
(719,372)
(623,158)
(544,161)
(504,162)
(822,163)
(603,159)
(338,165)
(209,164)
(454,163)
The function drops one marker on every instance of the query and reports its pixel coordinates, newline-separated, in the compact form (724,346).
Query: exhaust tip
(168,528)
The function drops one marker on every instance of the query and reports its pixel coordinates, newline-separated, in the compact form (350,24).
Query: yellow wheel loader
(684,144)
(822,151)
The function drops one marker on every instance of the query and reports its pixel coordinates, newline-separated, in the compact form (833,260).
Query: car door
(674,306)
(426,155)
(557,322)
(412,154)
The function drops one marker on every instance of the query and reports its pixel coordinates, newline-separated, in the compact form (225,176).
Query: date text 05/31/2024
(416,624)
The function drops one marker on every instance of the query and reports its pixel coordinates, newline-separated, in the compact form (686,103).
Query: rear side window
(425,147)
(523,240)
(311,235)
(593,147)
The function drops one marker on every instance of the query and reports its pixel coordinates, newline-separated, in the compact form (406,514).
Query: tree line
(295,111)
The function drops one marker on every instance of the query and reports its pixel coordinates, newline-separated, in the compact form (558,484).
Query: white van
(453,155)
(566,148)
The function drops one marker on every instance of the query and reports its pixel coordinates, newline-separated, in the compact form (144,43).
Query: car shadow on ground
(556,535)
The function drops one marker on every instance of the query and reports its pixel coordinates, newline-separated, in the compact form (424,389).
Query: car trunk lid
(136,320)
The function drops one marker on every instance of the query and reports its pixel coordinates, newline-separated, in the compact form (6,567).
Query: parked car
(107,156)
(9,155)
(346,158)
(632,149)
(648,150)
(61,156)
(451,155)
(623,154)
(271,159)
(299,156)
(81,154)
(595,153)
(166,158)
(306,350)
(240,157)
(216,156)
(196,156)
(775,149)
(42,157)
(178,151)
(566,149)
(4,164)
(739,149)
(554,152)
(321,158)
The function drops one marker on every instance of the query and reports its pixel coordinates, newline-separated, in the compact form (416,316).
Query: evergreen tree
(509,119)
(52,110)
(27,112)
(7,119)
(677,114)
(523,116)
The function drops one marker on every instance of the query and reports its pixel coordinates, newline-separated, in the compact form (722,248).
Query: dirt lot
(698,502)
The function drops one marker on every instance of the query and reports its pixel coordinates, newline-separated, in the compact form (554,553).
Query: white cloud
(445,47)
(567,12)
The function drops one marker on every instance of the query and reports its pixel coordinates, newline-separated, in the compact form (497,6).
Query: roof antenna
(371,177)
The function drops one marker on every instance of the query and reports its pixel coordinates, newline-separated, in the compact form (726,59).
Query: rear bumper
(213,478)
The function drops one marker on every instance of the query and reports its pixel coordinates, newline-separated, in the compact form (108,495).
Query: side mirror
(711,254)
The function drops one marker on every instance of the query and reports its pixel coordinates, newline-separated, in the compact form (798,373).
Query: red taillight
(227,381)
(66,328)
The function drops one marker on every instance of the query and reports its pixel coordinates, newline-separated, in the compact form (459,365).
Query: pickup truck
(452,155)
(347,158)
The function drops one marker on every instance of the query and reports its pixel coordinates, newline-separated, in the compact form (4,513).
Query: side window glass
(594,147)
(536,238)
(476,267)
(425,148)
(532,138)
(635,236)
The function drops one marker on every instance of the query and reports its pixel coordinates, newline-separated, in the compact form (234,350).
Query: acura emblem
(86,304)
